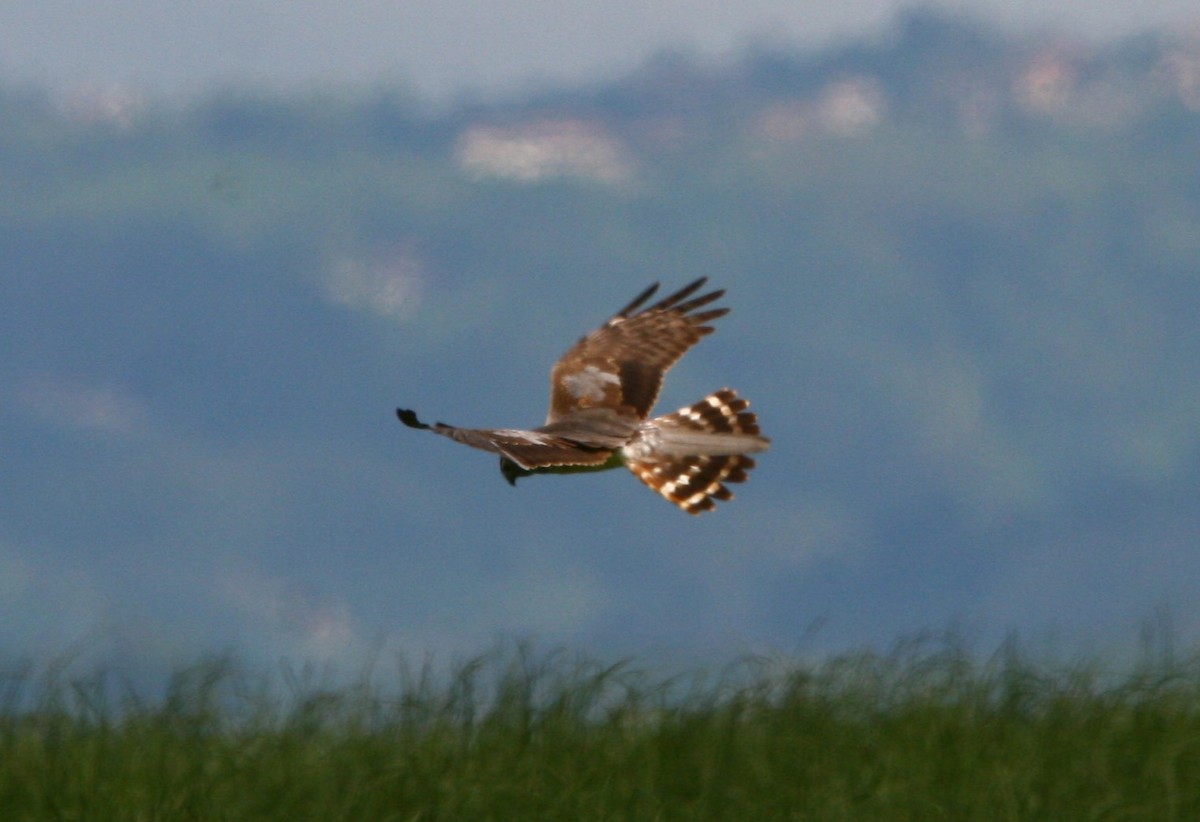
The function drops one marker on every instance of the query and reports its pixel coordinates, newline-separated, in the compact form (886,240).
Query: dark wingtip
(409,418)
(638,300)
(675,302)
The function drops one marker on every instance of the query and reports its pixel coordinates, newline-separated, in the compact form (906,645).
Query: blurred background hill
(964,267)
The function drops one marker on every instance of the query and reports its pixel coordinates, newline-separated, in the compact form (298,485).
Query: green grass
(927,732)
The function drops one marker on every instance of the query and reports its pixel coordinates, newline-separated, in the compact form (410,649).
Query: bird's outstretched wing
(620,366)
(590,440)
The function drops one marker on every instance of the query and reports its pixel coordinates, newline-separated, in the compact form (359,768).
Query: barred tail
(689,455)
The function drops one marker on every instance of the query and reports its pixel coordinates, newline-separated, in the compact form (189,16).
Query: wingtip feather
(409,418)
(638,300)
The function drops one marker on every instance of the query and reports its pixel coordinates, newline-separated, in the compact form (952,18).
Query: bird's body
(601,394)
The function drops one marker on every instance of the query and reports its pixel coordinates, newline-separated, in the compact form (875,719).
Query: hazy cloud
(387,283)
(286,621)
(79,403)
(447,46)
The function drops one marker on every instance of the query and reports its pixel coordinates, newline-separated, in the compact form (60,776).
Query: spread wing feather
(621,365)
(537,448)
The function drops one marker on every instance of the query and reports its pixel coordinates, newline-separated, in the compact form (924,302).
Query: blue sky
(274,505)
(442,46)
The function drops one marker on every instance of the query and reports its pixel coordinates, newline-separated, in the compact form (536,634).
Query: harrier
(601,394)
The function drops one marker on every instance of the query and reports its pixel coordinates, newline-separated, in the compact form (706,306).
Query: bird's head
(512,471)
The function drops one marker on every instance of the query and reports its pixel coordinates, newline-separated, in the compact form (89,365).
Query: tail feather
(689,455)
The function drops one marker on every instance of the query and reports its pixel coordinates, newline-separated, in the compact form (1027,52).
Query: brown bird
(601,395)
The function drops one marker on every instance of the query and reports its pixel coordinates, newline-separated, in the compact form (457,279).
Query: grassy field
(927,732)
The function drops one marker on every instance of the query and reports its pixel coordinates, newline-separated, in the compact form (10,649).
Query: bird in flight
(601,395)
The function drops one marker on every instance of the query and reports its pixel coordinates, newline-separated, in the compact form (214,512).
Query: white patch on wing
(521,435)
(589,384)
